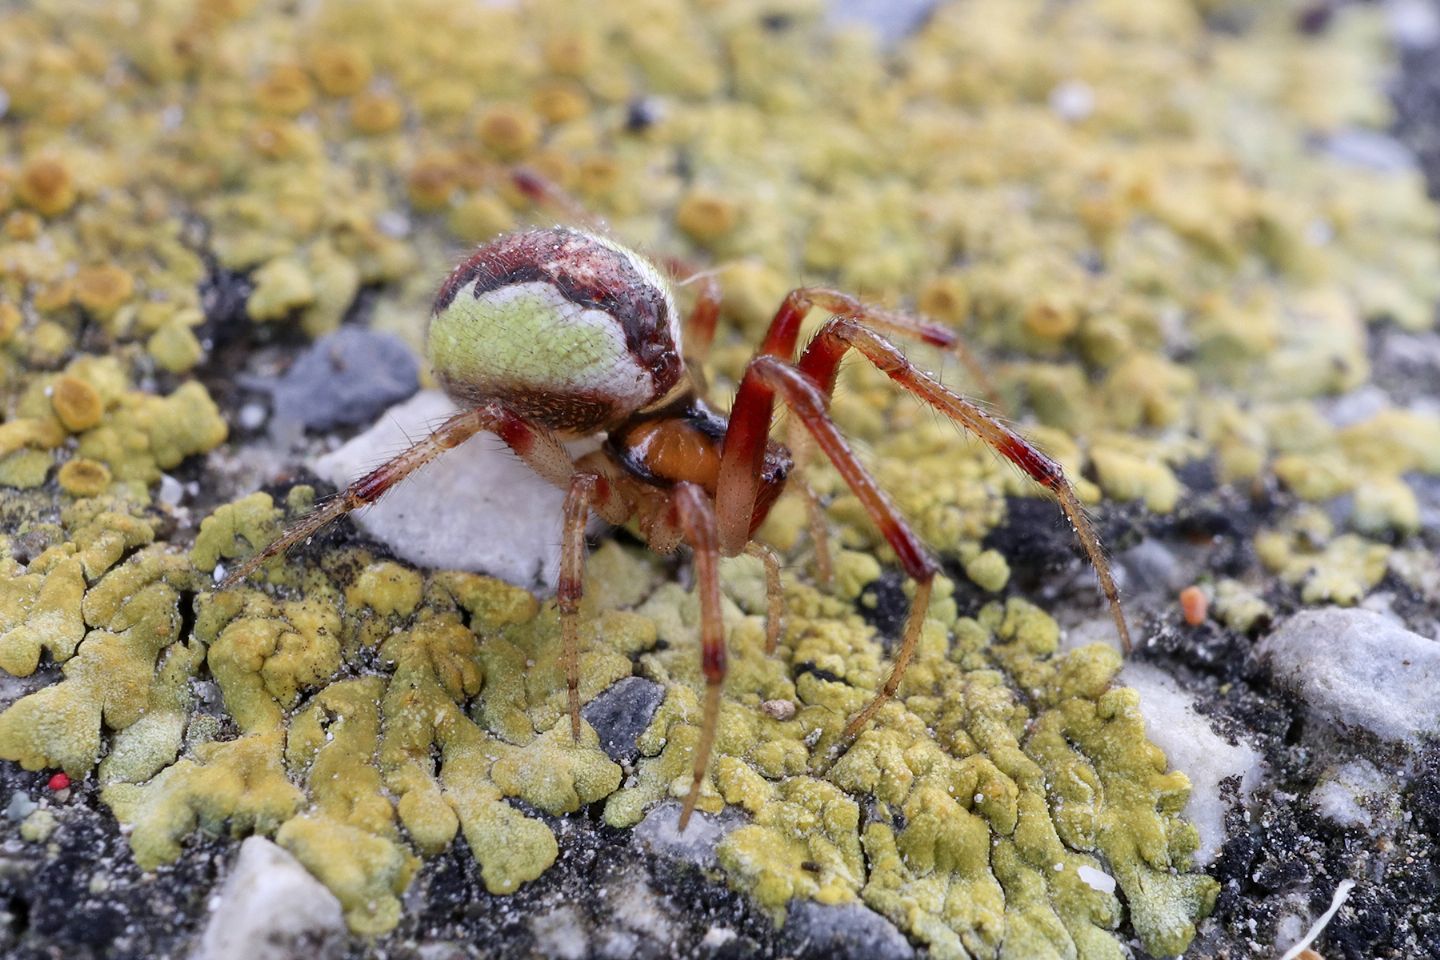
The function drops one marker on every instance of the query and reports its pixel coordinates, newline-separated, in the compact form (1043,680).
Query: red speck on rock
(59,781)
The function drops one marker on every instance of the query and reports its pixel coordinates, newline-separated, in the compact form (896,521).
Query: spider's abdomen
(568,329)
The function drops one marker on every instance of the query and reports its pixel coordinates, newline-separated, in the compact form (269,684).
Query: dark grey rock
(621,714)
(849,931)
(1358,670)
(345,378)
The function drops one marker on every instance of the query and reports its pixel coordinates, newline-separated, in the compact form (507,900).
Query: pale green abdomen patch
(526,340)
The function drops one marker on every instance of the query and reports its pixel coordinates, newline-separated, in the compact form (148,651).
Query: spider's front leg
(808,402)
(821,365)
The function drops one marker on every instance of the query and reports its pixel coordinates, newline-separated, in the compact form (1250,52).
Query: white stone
(1174,725)
(271,908)
(1073,101)
(1414,24)
(560,933)
(477,507)
(1358,670)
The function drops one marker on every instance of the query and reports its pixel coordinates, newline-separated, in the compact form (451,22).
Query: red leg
(537,446)
(754,401)
(544,192)
(774,595)
(696,519)
(585,489)
(369,488)
(704,316)
(807,401)
(821,363)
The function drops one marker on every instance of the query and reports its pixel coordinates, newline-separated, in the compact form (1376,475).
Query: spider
(547,335)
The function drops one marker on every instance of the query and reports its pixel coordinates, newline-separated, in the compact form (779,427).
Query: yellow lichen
(46,186)
(83,478)
(76,403)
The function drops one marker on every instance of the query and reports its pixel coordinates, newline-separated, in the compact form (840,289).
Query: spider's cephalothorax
(545,335)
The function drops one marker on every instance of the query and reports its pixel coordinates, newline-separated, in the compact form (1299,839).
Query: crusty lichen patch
(971,801)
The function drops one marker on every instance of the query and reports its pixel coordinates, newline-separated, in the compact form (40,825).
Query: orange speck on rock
(1194,605)
(376,112)
(286,90)
(432,182)
(340,69)
(508,133)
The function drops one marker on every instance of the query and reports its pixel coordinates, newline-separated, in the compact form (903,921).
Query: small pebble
(252,415)
(172,491)
(779,709)
(346,377)
(21,805)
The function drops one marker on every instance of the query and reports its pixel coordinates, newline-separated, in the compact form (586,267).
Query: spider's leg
(585,490)
(534,444)
(696,519)
(754,401)
(774,596)
(821,363)
(544,192)
(805,398)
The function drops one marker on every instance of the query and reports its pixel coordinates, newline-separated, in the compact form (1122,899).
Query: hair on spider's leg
(585,489)
(774,594)
(821,361)
(696,519)
(807,401)
(371,487)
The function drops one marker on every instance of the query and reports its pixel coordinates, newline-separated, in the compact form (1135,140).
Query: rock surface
(271,908)
(621,714)
(345,378)
(1358,670)
(849,931)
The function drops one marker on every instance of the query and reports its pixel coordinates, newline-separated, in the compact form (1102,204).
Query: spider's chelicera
(548,335)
